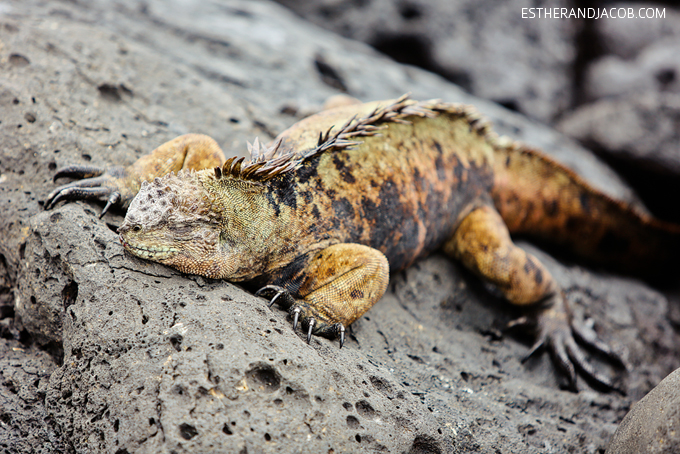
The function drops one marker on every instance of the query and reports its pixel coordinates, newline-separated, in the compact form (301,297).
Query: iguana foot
(273,293)
(559,334)
(302,313)
(96,183)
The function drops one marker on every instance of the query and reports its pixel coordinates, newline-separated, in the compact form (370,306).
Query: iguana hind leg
(483,244)
(119,185)
(336,287)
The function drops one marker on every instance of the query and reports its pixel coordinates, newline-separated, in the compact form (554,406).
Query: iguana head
(169,221)
(199,224)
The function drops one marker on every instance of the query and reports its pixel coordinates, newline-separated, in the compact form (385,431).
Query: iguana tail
(539,197)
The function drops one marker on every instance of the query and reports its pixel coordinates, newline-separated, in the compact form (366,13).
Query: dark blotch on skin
(315,212)
(551,208)
(406,249)
(285,193)
(530,267)
(357,294)
(386,217)
(345,172)
(273,202)
(585,203)
(368,205)
(307,171)
(343,218)
(572,223)
(343,209)
(529,210)
(441,168)
(438,147)
(539,276)
(338,162)
(293,275)
(459,172)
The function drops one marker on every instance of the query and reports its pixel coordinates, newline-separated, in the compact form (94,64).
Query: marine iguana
(320,217)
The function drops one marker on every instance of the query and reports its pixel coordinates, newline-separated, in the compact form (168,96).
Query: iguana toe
(79,172)
(588,337)
(536,348)
(556,346)
(75,192)
(276,293)
(301,312)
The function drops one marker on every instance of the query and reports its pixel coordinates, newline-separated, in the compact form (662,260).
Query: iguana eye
(137,228)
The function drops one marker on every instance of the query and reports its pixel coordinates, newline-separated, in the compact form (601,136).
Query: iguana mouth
(149,252)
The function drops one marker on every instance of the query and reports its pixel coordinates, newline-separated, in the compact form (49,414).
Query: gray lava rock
(640,127)
(652,424)
(145,359)
(494,50)
(634,90)
(25,423)
(626,37)
(655,69)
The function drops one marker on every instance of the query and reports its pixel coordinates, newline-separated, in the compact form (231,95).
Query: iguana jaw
(148,252)
(197,252)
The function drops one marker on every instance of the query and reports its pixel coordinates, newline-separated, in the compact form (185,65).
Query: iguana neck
(256,223)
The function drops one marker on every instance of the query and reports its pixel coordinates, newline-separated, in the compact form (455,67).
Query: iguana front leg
(119,185)
(336,287)
(482,243)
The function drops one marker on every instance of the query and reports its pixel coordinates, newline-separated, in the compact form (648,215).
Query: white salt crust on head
(164,199)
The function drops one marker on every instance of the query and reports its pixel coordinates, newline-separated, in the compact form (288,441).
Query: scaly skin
(320,217)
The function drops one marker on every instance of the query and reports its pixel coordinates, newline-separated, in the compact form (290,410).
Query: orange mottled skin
(322,216)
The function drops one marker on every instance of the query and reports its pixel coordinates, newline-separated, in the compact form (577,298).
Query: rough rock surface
(102,352)
(652,424)
(489,48)
(25,423)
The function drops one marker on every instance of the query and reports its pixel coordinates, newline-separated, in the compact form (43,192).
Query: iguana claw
(300,312)
(310,327)
(96,184)
(296,317)
(271,303)
(340,329)
(113,200)
(536,348)
(277,292)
